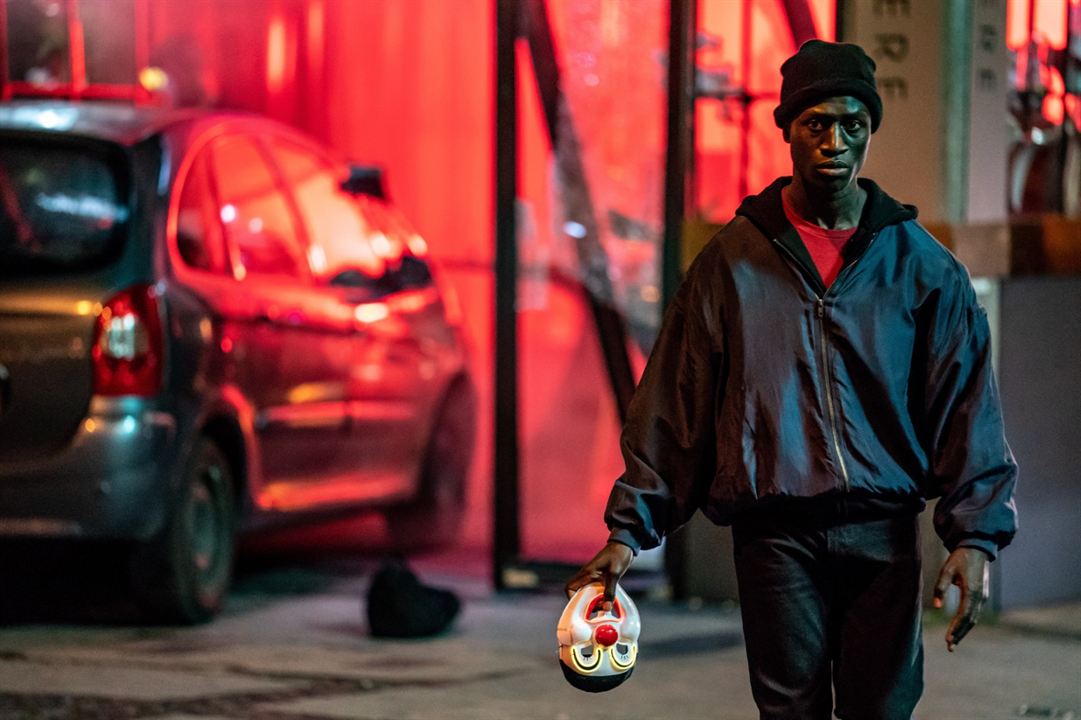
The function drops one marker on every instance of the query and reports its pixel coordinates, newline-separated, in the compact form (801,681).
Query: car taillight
(127,350)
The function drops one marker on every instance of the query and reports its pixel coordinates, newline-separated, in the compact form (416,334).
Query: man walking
(823,370)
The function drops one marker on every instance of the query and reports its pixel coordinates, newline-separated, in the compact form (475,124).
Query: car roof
(116,122)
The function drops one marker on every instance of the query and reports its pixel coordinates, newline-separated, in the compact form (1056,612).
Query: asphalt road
(293,644)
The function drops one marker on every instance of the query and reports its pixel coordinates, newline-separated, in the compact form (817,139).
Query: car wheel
(434,516)
(183,574)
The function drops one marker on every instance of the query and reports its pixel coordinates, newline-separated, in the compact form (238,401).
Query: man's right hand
(607,567)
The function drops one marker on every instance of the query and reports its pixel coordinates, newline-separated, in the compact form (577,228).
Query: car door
(407,385)
(386,379)
(292,352)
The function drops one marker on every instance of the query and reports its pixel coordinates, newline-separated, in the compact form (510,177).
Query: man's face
(829,143)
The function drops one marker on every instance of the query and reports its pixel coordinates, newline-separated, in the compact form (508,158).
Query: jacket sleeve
(972,467)
(668,440)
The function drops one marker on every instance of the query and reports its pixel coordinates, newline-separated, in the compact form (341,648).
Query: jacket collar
(766,213)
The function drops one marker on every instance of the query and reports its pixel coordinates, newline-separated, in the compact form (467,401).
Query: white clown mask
(598,647)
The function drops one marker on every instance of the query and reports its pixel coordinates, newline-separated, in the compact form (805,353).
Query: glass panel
(739,149)
(258,224)
(1045,107)
(59,207)
(590,227)
(38,42)
(612,55)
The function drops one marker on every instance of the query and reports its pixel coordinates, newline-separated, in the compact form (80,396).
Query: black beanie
(821,70)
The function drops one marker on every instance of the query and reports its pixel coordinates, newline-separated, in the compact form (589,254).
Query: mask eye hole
(586,657)
(623,655)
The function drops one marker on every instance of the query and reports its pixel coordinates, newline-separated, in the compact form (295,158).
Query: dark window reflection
(58,206)
(37,38)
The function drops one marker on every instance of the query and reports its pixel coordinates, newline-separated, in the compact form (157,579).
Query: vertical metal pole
(957,39)
(681,31)
(682,24)
(506,534)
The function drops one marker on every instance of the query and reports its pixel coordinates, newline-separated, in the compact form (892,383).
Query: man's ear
(786,133)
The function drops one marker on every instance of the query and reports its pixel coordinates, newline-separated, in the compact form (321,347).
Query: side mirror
(365,180)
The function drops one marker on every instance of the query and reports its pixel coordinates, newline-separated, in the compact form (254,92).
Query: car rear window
(61,207)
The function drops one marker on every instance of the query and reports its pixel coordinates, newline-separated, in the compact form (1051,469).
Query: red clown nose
(606,635)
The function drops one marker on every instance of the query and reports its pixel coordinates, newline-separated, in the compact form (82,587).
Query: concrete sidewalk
(306,655)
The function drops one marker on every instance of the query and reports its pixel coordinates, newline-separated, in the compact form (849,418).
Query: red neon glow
(1053,107)
(1016,24)
(275,55)
(1051,22)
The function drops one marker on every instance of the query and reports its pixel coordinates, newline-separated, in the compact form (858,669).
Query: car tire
(182,576)
(433,517)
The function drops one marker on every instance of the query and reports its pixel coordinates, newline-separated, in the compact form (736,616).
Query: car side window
(259,226)
(341,239)
(198,228)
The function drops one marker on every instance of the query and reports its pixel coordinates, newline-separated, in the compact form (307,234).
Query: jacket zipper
(820,312)
(826,376)
(826,371)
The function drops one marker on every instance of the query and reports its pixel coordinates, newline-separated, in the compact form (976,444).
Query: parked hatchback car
(209,324)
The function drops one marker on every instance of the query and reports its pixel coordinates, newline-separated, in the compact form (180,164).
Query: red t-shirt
(824,245)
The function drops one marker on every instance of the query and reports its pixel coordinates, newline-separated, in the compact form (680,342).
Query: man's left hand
(967,568)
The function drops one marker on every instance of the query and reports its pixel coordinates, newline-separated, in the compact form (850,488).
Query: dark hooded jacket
(765,389)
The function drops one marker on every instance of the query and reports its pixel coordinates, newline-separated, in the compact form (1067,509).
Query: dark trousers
(829,598)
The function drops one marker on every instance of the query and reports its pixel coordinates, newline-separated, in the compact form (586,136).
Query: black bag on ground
(400,606)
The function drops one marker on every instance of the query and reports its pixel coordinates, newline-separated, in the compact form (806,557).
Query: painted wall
(1040,382)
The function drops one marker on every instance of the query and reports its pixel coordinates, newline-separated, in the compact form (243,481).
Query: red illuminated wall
(405,84)
(412,91)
